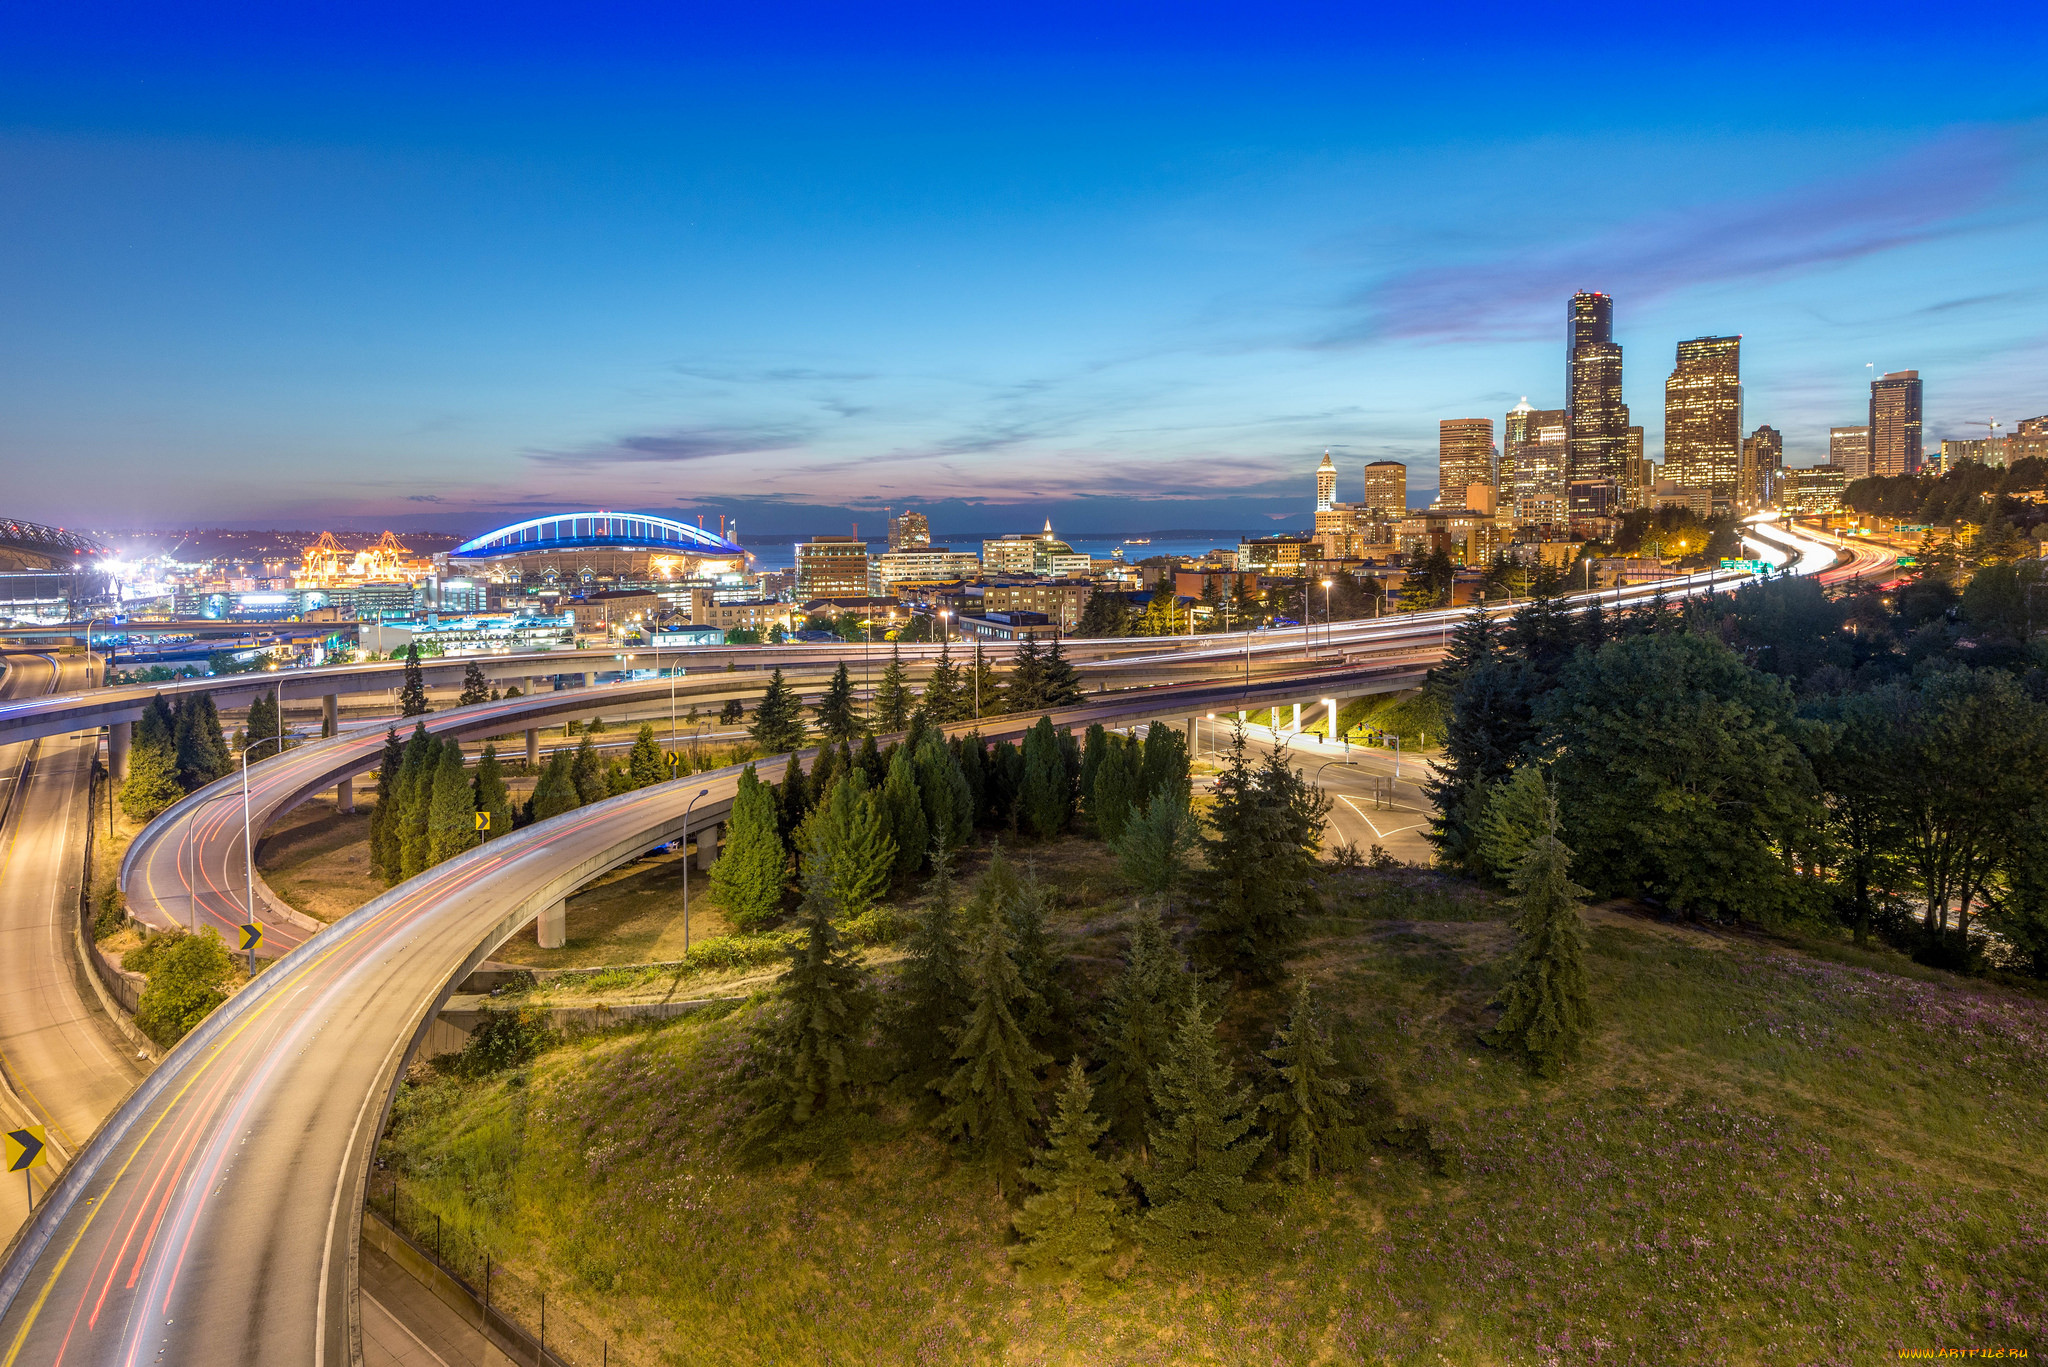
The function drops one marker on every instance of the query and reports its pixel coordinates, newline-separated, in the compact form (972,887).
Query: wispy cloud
(1927,195)
(675,446)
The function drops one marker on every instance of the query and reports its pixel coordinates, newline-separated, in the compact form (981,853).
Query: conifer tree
(262,727)
(383,848)
(942,702)
(933,984)
(555,792)
(1109,801)
(1025,691)
(1157,842)
(747,879)
(475,687)
(451,818)
(1308,1107)
(1477,641)
(824,772)
(942,790)
(202,752)
(1137,1025)
(1166,762)
(151,787)
(971,753)
(415,800)
(990,1093)
(1059,681)
(412,697)
(645,765)
(1546,1004)
(1093,743)
(1266,825)
(848,841)
(839,720)
(491,796)
(871,761)
(1005,785)
(1202,1142)
(809,1048)
(1106,614)
(1511,816)
(618,779)
(1069,1226)
(893,698)
(904,808)
(1044,797)
(1038,966)
(778,725)
(586,771)
(981,690)
(793,800)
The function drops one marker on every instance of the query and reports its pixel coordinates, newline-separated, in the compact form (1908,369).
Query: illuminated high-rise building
(1464,458)
(1598,418)
(2029,438)
(1849,451)
(1703,419)
(1895,424)
(1533,462)
(1386,489)
(1763,456)
(1326,485)
(910,531)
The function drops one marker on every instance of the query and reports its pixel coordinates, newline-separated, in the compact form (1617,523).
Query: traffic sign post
(483,821)
(252,936)
(28,1147)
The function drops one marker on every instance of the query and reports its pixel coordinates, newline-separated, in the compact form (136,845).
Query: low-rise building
(760,615)
(1814,489)
(1061,600)
(1009,626)
(1286,556)
(874,609)
(613,611)
(924,566)
(832,566)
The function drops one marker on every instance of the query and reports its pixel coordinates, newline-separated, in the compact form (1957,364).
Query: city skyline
(903,271)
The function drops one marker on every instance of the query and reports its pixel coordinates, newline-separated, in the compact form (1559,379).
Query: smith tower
(1597,417)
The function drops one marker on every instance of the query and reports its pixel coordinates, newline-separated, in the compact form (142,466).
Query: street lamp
(1326,614)
(1212,737)
(703,792)
(248,845)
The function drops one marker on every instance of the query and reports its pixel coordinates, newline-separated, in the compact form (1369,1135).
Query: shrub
(188,977)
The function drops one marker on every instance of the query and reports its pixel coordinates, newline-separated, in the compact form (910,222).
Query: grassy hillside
(1772,1154)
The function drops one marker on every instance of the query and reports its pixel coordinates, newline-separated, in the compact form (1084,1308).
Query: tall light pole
(248,845)
(703,792)
(1326,614)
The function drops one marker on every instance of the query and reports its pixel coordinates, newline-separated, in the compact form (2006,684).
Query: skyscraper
(1326,485)
(1703,418)
(1895,423)
(1533,460)
(1464,458)
(1386,489)
(1763,456)
(910,531)
(1849,451)
(1598,417)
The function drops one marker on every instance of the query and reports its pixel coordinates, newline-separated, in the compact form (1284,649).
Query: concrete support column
(330,714)
(1194,737)
(589,678)
(1297,718)
(553,927)
(120,736)
(345,795)
(707,847)
(533,747)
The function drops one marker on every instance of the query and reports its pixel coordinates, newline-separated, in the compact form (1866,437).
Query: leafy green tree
(1855,770)
(645,765)
(586,771)
(151,787)
(944,793)
(555,792)
(1546,1004)
(451,819)
(1157,844)
(1137,1025)
(1512,816)
(1308,1107)
(943,702)
(933,996)
(412,696)
(1679,773)
(491,797)
(475,687)
(1025,691)
(1059,681)
(188,978)
(1267,824)
(747,879)
(2018,905)
(1044,797)
(903,807)
(808,1049)
(893,698)
(1069,1226)
(839,720)
(778,725)
(1202,1141)
(990,1095)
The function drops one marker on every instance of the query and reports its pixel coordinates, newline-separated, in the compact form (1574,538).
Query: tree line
(177,748)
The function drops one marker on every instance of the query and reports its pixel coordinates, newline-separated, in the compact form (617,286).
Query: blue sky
(1133,267)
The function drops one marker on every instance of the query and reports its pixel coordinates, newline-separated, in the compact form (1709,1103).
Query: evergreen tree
(1266,826)
(1038,966)
(847,840)
(823,773)
(1512,815)
(1202,1143)
(475,687)
(490,794)
(1069,1226)
(871,761)
(903,808)
(645,765)
(942,701)
(893,698)
(1157,842)
(555,792)
(151,787)
(982,688)
(1025,691)
(808,1050)
(451,817)
(1106,614)
(1477,641)
(793,800)
(586,771)
(1546,1005)
(971,753)
(412,697)
(1166,762)
(1044,796)
(1005,785)
(384,860)
(778,725)
(618,780)
(1093,744)
(839,719)
(1594,629)
(202,752)
(1109,800)
(1308,1108)
(1492,728)
(1137,1025)
(415,800)
(1059,681)
(747,879)
(990,1094)
(942,789)
(933,985)
(262,728)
